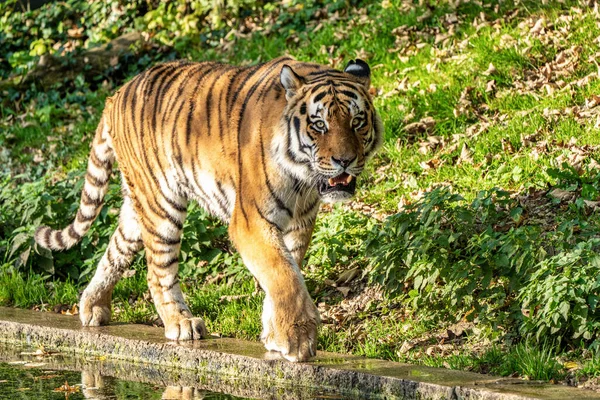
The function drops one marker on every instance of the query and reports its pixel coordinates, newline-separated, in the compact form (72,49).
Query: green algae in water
(20,381)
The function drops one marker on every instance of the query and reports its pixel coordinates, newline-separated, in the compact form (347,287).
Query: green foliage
(586,183)
(228,310)
(20,290)
(205,249)
(529,361)
(454,253)
(591,366)
(337,242)
(534,362)
(562,294)
(474,260)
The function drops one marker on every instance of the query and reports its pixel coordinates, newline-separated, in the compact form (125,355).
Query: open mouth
(340,183)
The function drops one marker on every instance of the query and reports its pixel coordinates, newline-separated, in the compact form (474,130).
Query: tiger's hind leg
(162,228)
(126,241)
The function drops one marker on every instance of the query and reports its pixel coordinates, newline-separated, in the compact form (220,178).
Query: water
(43,374)
(25,380)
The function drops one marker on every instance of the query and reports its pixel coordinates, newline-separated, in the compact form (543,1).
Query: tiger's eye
(356,123)
(320,125)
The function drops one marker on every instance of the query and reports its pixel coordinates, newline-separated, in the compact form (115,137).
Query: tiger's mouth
(340,183)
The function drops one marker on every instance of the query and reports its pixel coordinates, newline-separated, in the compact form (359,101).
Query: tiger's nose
(343,162)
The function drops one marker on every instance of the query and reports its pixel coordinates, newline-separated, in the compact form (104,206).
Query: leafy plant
(446,253)
(474,260)
(562,294)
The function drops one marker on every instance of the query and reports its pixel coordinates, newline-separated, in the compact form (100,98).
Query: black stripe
(208,200)
(125,238)
(165,215)
(301,226)
(97,181)
(157,251)
(161,238)
(175,282)
(73,233)
(328,73)
(125,253)
(88,201)
(154,137)
(304,148)
(109,256)
(349,94)
(158,96)
(319,97)
(84,218)
(263,216)
(208,111)
(280,204)
(311,206)
(47,236)
(200,79)
(206,69)
(106,164)
(297,184)
(166,264)
(297,124)
(172,203)
(59,239)
(223,200)
(220,119)
(297,247)
(174,142)
(234,78)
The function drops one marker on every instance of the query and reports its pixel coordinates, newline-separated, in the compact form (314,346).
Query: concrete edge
(236,370)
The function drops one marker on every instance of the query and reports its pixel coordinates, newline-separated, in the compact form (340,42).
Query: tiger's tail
(99,168)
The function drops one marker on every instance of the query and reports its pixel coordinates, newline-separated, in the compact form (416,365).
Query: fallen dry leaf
(592,205)
(424,125)
(75,33)
(466,156)
(491,70)
(434,163)
(347,276)
(507,146)
(562,195)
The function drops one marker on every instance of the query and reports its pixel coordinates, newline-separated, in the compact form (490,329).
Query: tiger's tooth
(331,182)
(348,179)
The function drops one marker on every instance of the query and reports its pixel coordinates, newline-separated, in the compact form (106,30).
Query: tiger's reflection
(95,386)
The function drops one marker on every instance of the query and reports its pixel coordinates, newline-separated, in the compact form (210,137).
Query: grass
(429,64)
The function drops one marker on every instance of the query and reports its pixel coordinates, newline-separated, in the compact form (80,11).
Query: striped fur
(97,176)
(260,147)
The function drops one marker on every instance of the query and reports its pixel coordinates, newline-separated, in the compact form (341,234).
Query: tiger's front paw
(182,393)
(290,327)
(186,329)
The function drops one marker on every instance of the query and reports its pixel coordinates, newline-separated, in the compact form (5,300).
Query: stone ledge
(243,368)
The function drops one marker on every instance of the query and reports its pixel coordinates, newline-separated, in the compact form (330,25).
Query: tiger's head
(330,127)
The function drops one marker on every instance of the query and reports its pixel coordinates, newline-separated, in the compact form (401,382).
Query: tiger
(260,147)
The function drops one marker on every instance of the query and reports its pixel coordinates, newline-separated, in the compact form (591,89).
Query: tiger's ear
(291,81)
(361,70)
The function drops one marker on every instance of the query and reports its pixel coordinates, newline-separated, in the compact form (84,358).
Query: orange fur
(260,147)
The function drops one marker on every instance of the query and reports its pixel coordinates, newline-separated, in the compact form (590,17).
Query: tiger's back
(260,147)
